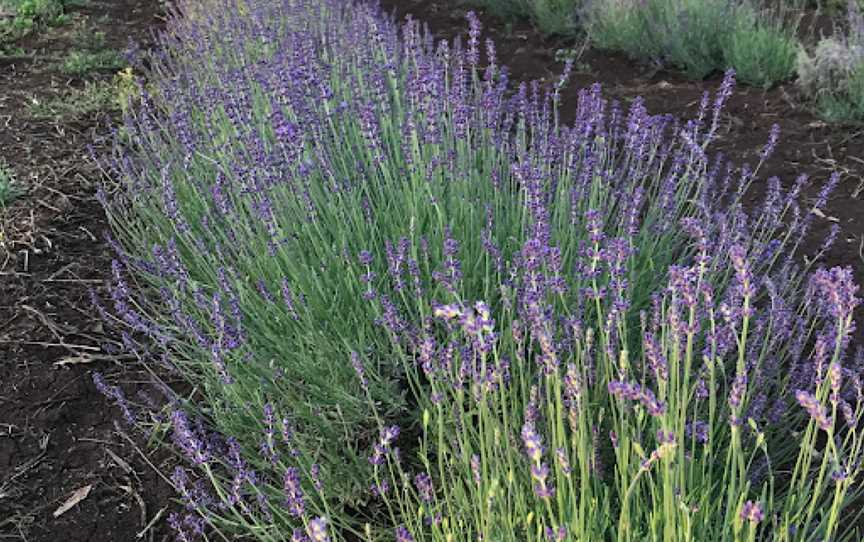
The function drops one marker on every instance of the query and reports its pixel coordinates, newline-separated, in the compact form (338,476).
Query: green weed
(94,97)
(83,62)
(29,16)
(8,190)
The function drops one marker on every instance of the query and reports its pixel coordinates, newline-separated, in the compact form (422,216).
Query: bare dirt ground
(60,443)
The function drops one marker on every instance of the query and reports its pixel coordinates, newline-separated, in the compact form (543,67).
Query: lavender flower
(186,438)
(635,392)
(115,393)
(294,501)
(556,535)
(361,372)
(837,291)
(752,512)
(425,489)
(540,473)
(475,468)
(814,408)
(563,461)
(317,530)
(533,442)
(403,535)
(383,446)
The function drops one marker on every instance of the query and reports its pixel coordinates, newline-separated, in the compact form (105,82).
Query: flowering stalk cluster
(333,227)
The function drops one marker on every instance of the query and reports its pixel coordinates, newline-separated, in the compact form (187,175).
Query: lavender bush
(412,304)
(832,75)
(558,17)
(700,36)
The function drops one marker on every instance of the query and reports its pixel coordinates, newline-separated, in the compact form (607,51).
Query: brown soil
(807,144)
(57,433)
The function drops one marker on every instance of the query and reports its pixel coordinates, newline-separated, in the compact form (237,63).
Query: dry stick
(71,347)
(152,522)
(143,455)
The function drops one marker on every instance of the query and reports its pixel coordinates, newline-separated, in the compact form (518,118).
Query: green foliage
(698,36)
(832,75)
(552,17)
(8,190)
(90,54)
(30,15)
(847,105)
(683,33)
(83,62)
(48,11)
(95,97)
(834,6)
(761,50)
(504,9)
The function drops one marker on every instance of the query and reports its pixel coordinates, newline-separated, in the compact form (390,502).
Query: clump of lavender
(832,74)
(331,225)
(756,39)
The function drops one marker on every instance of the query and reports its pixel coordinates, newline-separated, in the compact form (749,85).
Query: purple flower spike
(403,535)
(533,442)
(817,412)
(563,461)
(834,377)
(739,388)
(475,468)
(474,29)
(294,501)
(317,530)
(383,446)
(425,489)
(752,512)
(357,363)
(540,473)
(556,535)
(115,393)
(187,439)
(837,291)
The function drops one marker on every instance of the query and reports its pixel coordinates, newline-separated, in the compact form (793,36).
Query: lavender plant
(700,37)
(832,76)
(504,9)
(556,17)
(385,272)
(762,46)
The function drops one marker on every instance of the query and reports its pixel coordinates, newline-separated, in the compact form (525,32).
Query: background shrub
(699,36)
(555,17)
(833,73)
(504,9)
(762,48)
